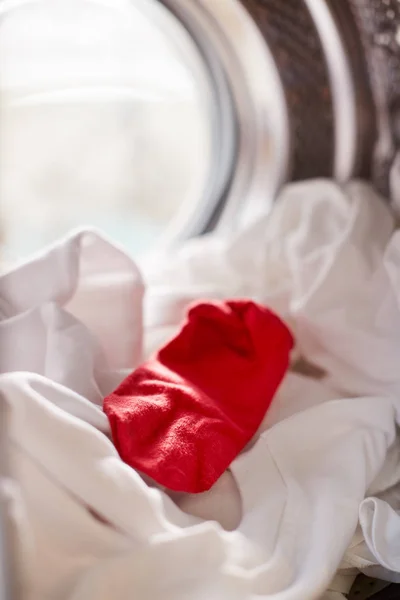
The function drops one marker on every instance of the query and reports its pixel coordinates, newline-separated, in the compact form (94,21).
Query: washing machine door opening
(111,116)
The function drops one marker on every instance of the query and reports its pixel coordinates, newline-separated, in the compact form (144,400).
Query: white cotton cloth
(93,524)
(328,261)
(319,260)
(74,314)
(277,256)
(293,507)
(223,503)
(375,549)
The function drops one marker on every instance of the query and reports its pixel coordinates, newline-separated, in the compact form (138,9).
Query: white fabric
(281,258)
(88,527)
(223,503)
(376,548)
(292,485)
(74,314)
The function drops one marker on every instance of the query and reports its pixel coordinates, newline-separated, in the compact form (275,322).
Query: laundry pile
(248,447)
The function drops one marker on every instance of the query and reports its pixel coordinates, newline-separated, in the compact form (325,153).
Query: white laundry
(88,526)
(375,549)
(74,314)
(292,484)
(311,260)
(223,502)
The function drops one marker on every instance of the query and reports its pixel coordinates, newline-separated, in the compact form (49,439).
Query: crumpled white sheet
(71,320)
(319,261)
(55,314)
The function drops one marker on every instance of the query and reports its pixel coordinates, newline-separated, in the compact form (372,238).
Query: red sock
(185,415)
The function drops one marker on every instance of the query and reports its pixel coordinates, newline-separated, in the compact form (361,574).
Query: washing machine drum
(162,119)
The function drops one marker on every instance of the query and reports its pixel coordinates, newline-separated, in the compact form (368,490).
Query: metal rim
(258,101)
(343,92)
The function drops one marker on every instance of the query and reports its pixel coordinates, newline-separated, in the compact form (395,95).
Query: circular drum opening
(107,119)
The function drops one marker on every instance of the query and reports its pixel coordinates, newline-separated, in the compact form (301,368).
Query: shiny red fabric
(185,415)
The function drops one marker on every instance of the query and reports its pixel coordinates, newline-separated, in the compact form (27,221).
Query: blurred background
(104,120)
